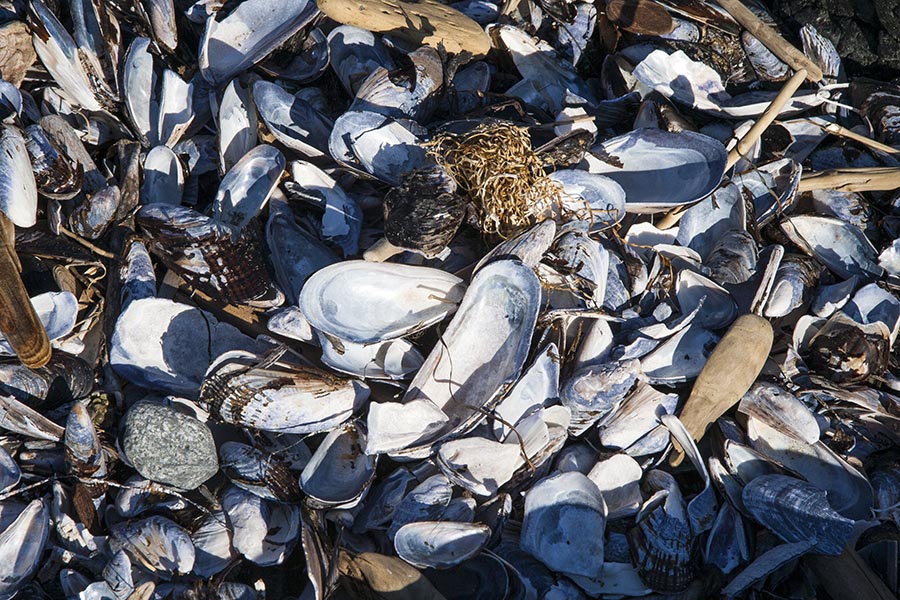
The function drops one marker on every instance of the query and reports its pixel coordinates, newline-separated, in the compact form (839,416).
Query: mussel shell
(302,58)
(94,216)
(485,346)
(247,34)
(339,473)
(563,525)
(246,187)
(157,543)
(258,472)
(424,212)
(21,546)
(593,197)
(659,170)
(203,252)
(282,397)
(849,352)
(404,92)
(364,302)
(64,378)
(164,345)
(768,67)
(797,511)
(18,190)
(440,544)
(56,175)
(356,53)
(880,103)
(291,119)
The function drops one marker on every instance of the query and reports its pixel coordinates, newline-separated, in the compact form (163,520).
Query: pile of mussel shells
(287,361)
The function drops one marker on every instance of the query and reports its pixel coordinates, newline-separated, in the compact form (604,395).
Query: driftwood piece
(866,179)
(422,22)
(762,123)
(18,321)
(727,375)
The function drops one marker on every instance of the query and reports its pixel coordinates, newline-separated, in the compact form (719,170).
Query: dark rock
(866,33)
(169,447)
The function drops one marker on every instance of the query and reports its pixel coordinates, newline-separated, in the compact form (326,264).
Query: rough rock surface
(866,33)
(169,447)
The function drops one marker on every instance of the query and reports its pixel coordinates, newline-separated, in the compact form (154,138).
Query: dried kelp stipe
(495,164)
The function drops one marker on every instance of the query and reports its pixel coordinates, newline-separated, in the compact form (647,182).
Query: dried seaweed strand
(496,165)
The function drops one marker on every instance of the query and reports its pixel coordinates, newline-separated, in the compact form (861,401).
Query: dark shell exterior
(205,255)
(56,175)
(424,212)
(880,103)
(664,552)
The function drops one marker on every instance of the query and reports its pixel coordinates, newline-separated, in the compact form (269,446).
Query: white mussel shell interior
(339,473)
(440,544)
(364,302)
(660,170)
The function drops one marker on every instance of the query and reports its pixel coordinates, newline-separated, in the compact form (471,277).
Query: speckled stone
(168,447)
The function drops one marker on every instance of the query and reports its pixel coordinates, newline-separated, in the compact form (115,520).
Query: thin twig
(87,244)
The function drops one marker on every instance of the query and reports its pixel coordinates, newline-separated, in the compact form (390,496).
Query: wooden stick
(842,131)
(671,218)
(18,321)
(771,40)
(745,144)
(867,179)
(848,576)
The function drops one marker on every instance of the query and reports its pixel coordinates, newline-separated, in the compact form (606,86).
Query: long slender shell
(797,511)
(499,310)
(59,53)
(21,546)
(237,124)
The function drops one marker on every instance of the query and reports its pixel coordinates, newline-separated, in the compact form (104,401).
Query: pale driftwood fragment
(771,40)
(381,250)
(727,375)
(371,575)
(422,22)
(18,321)
(16,52)
(866,179)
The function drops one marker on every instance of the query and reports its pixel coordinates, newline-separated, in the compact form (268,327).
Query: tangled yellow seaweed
(503,176)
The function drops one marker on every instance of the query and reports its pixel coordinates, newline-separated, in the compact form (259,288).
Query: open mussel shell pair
(499,310)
